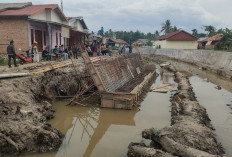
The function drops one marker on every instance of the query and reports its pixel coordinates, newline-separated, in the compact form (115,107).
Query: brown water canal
(97,132)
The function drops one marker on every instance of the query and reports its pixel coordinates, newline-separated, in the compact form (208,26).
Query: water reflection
(85,127)
(98,132)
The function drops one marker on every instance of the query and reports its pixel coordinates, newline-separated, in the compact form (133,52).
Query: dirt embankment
(190,133)
(25,107)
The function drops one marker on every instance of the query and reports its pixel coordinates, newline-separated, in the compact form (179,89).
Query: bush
(2,62)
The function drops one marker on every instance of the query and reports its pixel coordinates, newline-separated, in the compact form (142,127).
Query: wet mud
(190,134)
(25,107)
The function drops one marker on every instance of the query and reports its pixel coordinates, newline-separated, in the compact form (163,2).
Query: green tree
(166,27)
(173,29)
(211,30)
(226,42)
(195,33)
(156,35)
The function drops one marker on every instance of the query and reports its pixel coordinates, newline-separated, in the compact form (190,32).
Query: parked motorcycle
(24,59)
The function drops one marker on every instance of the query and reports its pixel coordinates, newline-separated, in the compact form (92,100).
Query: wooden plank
(13,75)
(92,71)
(51,67)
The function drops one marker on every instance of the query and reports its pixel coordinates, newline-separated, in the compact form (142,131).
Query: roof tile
(30,10)
(178,35)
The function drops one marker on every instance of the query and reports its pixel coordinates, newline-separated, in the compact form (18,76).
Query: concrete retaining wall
(215,60)
(115,72)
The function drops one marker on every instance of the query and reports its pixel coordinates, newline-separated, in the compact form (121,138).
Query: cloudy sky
(146,15)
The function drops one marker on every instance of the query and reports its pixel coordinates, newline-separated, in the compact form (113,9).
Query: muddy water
(96,132)
(105,132)
(217,102)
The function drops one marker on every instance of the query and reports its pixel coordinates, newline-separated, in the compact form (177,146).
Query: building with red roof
(176,40)
(26,24)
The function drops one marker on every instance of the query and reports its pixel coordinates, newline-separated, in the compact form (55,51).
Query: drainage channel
(218,103)
(92,131)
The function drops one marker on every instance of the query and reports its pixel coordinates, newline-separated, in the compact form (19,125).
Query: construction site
(124,105)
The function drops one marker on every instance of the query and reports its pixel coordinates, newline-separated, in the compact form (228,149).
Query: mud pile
(25,107)
(190,133)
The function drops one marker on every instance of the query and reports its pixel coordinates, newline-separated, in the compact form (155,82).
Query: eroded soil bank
(190,134)
(25,107)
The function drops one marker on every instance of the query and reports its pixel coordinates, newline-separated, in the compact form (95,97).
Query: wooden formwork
(117,100)
(120,100)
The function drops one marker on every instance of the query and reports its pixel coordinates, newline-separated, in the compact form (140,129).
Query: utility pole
(62,5)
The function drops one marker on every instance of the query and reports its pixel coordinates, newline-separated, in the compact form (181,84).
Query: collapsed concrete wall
(219,62)
(115,72)
(112,73)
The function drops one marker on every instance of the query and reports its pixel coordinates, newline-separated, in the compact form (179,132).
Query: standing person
(35,52)
(11,54)
(124,50)
(130,49)
(102,49)
(110,50)
(105,49)
(89,50)
(98,50)
(95,50)
(74,50)
(120,50)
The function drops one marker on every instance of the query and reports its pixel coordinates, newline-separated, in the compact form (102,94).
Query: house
(97,39)
(211,42)
(79,31)
(26,23)
(140,42)
(176,40)
(116,42)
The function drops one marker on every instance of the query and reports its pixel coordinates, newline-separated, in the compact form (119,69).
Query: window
(45,39)
(32,36)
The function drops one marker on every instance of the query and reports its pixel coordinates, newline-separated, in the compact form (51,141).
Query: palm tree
(166,27)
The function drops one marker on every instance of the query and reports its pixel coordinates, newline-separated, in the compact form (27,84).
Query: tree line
(167,27)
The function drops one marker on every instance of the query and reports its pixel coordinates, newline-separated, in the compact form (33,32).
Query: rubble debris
(163,88)
(218,87)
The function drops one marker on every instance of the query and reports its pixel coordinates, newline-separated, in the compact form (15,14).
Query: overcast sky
(146,15)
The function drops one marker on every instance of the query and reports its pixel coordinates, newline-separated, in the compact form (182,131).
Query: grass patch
(147,61)
(3,62)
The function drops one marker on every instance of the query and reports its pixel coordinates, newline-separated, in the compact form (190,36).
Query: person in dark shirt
(130,49)
(11,53)
(46,54)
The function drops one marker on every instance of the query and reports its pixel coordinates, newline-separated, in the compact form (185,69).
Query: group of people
(60,52)
(94,49)
(122,49)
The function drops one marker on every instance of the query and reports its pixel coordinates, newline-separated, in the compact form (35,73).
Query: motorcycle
(24,59)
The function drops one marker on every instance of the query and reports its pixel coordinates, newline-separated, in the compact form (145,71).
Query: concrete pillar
(49,37)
